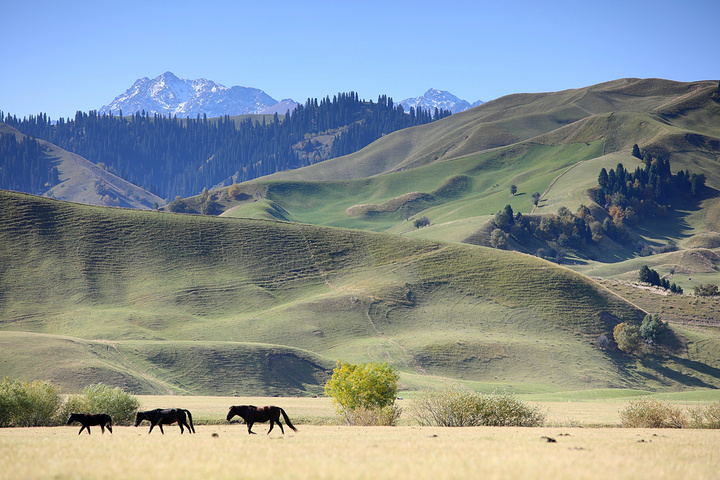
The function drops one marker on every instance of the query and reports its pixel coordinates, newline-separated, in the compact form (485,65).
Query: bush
(652,413)
(369,417)
(367,386)
(99,398)
(706,290)
(422,222)
(28,404)
(460,407)
(627,336)
(706,417)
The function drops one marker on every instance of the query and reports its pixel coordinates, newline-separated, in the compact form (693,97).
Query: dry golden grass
(318,452)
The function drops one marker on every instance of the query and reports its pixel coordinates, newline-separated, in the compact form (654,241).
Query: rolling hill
(324,263)
(457,172)
(167,303)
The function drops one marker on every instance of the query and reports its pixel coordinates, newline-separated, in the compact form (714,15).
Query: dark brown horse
(252,414)
(87,419)
(166,416)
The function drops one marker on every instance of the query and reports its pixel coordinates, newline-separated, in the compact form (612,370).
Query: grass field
(338,452)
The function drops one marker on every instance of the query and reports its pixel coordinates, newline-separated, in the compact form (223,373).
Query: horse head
(231,413)
(73,417)
(139,417)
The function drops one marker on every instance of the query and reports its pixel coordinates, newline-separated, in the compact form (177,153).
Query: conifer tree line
(647,189)
(180,157)
(24,166)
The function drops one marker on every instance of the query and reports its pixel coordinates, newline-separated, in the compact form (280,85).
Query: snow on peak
(169,95)
(441,99)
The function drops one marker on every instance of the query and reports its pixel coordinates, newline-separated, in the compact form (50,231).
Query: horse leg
(161,430)
(109,427)
(102,428)
(272,424)
(250,424)
(280,425)
(83,428)
(180,424)
(152,425)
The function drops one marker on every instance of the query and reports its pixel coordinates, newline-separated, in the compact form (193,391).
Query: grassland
(554,144)
(361,452)
(160,303)
(324,263)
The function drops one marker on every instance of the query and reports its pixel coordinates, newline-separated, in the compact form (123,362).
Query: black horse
(252,414)
(166,416)
(87,419)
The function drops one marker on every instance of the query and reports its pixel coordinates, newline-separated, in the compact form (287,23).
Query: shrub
(461,407)
(367,386)
(422,222)
(28,404)
(652,413)
(367,417)
(627,336)
(99,398)
(706,290)
(706,417)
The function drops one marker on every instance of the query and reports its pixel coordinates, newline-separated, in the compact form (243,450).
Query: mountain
(440,99)
(169,95)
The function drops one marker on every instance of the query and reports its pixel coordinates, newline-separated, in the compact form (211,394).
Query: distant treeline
(24,166)
(170,156)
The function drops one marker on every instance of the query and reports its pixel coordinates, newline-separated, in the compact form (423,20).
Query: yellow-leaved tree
(365,393)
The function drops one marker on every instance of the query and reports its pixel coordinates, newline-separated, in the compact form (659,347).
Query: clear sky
(62,56)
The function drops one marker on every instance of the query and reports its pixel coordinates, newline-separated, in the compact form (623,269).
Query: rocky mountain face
(169,95)
(440,99)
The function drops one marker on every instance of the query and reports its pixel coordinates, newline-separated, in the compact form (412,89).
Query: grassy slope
(551,143)
(174,303)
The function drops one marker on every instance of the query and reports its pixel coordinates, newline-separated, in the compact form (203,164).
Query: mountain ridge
(440,99)
(169,95)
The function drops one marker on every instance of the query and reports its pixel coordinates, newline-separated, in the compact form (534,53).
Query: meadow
(319,451)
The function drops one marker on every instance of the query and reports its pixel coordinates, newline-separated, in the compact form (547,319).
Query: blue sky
(60,57)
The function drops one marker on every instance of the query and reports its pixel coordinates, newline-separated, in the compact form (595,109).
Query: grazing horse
(87,419)
(166,416)
(252,414)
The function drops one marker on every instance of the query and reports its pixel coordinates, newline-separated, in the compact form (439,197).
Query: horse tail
(287,420)
(192,428)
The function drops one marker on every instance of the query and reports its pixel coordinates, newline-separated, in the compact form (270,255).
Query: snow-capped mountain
(441,99)
(170,95)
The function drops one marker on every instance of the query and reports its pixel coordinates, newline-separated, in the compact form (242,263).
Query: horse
(87,419)
(252,414)
(166,416)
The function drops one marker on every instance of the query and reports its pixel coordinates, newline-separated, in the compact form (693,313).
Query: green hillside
(458,171)
(163,303)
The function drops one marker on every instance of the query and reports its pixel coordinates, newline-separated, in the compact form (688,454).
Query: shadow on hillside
(665,373)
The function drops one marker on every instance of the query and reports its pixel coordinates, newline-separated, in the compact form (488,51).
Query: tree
(367,385)
(627,336)
(234,190)
(653,329)
(706,290)
(513,189)
(505,217)
(536,198)
(422,222)
(636,151)
(498,239)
